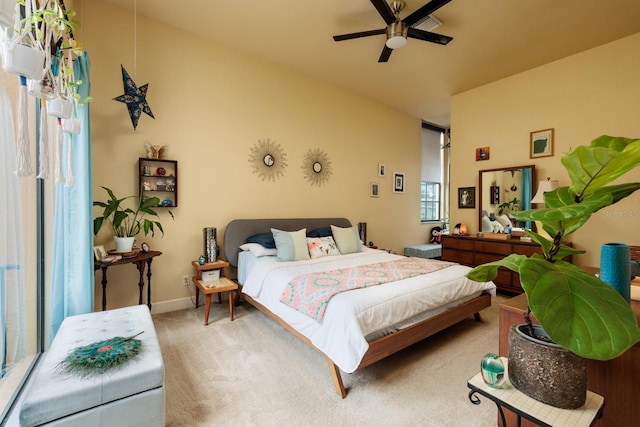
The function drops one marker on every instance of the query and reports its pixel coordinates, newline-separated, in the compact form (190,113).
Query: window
(429,201)
(21,254)
(434,175)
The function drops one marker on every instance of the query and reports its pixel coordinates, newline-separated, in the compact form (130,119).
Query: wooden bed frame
(236,234)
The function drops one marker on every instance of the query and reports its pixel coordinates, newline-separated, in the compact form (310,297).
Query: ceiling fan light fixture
(397,35)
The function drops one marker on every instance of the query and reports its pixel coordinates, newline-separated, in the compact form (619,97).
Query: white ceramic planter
(7,13)
(23,60)
(42,88)
(124,244)
(60,107)
(71,126)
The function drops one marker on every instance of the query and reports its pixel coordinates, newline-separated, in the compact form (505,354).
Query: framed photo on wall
(398,182)
(466,197)
(483,153)
(382,170)
(374,190)
(541,143)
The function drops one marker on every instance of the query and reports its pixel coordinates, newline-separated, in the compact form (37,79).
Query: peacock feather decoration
(100,356)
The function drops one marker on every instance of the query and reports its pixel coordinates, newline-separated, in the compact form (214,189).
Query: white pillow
(504,220)
(291,245)
(258,250)
(347,239)
(322,246)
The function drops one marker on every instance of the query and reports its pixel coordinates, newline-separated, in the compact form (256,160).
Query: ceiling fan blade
(384,10)
(359,34)
(428,36)
(386,53)
(422,13)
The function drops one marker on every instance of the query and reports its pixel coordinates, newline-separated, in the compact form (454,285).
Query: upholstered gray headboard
(237,231)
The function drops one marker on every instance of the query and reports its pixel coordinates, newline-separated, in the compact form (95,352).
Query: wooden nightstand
(214,286)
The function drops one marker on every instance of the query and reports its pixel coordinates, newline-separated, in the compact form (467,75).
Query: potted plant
(575,309)
(126,222)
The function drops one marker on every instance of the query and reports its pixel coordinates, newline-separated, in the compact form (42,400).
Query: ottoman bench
(125,395)
(424,251)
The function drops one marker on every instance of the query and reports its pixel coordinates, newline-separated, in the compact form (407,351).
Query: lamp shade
(397,35)
(544,187)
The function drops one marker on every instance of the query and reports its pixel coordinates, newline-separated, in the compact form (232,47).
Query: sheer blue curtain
(72,283)
(527,191)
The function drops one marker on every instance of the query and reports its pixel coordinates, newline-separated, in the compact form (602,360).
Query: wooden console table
(142,260)
(617,380)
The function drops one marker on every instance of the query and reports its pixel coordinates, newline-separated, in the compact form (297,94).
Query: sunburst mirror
(268,160)
(316,167)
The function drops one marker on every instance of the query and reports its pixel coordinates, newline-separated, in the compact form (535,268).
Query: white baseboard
(171,305)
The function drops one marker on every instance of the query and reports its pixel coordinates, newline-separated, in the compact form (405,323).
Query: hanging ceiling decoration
(135,97)
(316,167)
(268,160)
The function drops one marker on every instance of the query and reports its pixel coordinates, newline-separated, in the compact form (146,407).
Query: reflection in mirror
(502,191)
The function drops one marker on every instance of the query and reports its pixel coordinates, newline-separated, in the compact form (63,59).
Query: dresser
(473,251)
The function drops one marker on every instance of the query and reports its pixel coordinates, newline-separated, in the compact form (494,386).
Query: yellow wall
(211,106)
(582,97)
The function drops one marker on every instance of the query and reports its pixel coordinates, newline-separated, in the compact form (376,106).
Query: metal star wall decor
(135,97)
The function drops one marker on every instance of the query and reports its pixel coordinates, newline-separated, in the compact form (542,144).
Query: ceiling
(492,39)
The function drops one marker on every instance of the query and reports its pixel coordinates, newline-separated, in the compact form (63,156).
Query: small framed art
(398,182)
(466,197)
(99,252)
(374,191)
(482,153)
(541,143)
(382,170)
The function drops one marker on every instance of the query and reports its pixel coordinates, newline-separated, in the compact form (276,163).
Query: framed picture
(374,190)
(466,197)
(482,153)
(99,252)
(398,182)
(541,143)
(382,170)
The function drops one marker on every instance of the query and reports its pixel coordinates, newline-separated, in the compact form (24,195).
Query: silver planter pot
(545,371)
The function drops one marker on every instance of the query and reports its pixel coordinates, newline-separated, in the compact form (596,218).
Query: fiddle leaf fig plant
(576,309)
(127,222)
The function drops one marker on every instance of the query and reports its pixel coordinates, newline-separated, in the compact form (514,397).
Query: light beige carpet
(252,372)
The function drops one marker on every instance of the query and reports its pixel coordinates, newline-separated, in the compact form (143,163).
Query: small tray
(129,254)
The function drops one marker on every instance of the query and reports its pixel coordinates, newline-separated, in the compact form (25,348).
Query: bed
(362,326)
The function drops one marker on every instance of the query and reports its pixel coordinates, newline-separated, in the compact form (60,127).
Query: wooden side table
(530,409)
(210,287)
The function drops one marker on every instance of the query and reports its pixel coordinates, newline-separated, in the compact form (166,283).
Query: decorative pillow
(291,245)
(322,246)
(504,220)
(264,239)
(258,250)
(347,239)
(320,232)
(486,224)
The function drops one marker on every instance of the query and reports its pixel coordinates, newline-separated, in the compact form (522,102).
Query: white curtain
(12,271)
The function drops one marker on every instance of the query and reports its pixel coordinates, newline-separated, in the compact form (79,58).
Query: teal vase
(614,268)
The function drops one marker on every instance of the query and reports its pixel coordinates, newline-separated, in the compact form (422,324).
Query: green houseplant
(576,309)
(125,221)
(581,317)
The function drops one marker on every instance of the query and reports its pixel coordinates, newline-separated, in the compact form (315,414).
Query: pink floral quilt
(310,293)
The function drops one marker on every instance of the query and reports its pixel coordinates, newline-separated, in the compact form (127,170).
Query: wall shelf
(159,178)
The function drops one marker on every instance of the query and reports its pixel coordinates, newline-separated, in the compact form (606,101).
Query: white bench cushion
(53,396)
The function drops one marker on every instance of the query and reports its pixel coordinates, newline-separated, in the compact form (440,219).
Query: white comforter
(352,315)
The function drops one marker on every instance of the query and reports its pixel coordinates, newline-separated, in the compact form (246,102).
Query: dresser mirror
(502,191)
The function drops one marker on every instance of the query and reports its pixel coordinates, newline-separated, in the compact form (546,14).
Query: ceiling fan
(397,30)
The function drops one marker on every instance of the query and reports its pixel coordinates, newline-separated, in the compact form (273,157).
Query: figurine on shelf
(146,186)
(155,151)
